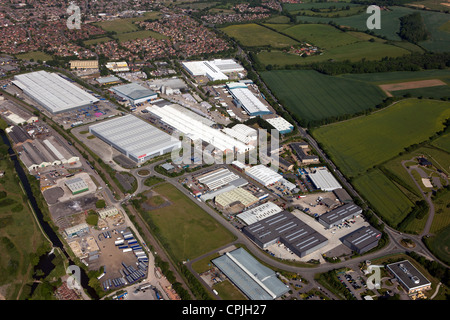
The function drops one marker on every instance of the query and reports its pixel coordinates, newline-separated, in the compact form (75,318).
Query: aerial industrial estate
(157,152)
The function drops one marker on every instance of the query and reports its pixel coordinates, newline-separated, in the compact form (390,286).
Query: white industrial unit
(53,92)
(135,138)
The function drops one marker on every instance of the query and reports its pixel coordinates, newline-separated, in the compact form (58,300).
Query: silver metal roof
(134,136)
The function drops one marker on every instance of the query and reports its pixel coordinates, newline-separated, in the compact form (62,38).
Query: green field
(141,34)
(390,25)
(436,92)
(314,96)
(359,144)
(36,55)
(400,76)
(383,196)
(443,142)
(254,35)
(353,52)
(321,35)
(126,24)
(20,236)
(183,227)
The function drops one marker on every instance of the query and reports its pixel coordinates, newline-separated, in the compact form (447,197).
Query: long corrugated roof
(134,135)
(53,92)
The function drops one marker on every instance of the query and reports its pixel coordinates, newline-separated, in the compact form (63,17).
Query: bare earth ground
(411,85)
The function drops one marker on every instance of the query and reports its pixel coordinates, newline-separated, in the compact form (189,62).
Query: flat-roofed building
(247,100)
(324,180)
(286,228)
(339,215)
(280,124)
(243,133)
(107,212)
(196,127)
(53,92)
(259,213)
(135,138)
(77,230)
(235,196)
(108,80)
(342,195)
(255,280)
(134,93)
(77,185)
(119,66)
(409,277)
(263,174)
(83,64)
(299,149)
(217,178)
(363,239)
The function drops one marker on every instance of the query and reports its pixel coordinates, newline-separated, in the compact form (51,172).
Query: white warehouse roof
(134,137)
(251,104)
(204,68)
(217,178)
(263,174)
(280,124)
(196,127)
(261,212)
(324,180)
(243,133)
(53,92)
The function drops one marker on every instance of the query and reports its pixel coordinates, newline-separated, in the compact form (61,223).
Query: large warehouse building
(246,100)
(197,127)
(300,238)
(256,281)
(324,180)
(259,213)
(281,124)
(214,70)
(135,138)
(135,93)
(363,239)
(53,92)
(339,215)
(217,178)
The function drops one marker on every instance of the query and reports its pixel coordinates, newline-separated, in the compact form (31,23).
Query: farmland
(435,23)
(181,225)
(352,52)
(383,196)
(254,35)
(359,144)
(314,96)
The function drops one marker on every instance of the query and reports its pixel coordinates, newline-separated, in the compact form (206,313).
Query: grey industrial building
(342,195)
(53,92)
(256,281)
(339,215)
(409,277)
(137,139)
(300,238)
(363,239)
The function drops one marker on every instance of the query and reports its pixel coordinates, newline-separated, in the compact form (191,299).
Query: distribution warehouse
(256,281)
(215,69)
(324,180)
(135,93)
(135,138)
(53,92)
(300,238)
(259,213)
(245,99)
(197,127)
(339,215)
